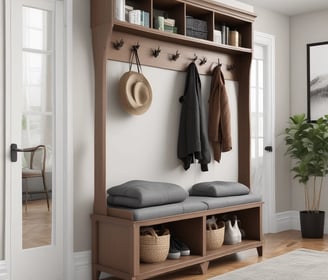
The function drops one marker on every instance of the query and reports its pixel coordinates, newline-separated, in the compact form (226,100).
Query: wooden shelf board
(231,249)
(177,38)
(149,270)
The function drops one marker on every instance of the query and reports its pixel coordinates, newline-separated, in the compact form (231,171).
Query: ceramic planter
(312,224)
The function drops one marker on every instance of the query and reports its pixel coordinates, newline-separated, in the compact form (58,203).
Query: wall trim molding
(82,265)
(290,220)
(286,221)
(3,271)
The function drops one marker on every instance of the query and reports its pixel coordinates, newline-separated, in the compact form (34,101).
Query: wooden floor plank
(36,224)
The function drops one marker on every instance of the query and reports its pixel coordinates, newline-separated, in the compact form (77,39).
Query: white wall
(145,146)
(278,26)
(2,132)
(304,29)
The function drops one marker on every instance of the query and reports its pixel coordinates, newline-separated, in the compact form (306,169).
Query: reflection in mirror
(37,126)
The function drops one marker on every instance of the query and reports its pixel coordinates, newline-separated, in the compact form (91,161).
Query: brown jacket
(219,127)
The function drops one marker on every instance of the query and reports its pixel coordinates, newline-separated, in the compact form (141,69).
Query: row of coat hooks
(118,44)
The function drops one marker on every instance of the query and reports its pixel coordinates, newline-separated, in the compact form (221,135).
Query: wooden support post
(101,34)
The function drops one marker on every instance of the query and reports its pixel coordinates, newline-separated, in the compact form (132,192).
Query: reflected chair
(36,169)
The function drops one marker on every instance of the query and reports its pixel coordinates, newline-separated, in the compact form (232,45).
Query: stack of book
(229,36)
(137,16)
(119,9)
(169,25)
(225,34)
(163,22)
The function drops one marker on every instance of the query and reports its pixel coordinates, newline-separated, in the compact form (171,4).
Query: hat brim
(135,93)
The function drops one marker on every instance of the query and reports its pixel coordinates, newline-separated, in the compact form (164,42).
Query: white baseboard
(3,271)
(291,220)
(287,220)
(82,265)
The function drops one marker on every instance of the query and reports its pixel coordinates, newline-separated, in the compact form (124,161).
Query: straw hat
(135,93)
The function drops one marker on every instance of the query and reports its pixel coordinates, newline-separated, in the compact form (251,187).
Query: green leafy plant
(307,145)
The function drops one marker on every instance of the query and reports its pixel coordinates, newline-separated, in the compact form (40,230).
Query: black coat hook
(231,67)
(136,47)
(219,62)
(118,44)
(203,61)
(195,57)
(175,56)
(156,52)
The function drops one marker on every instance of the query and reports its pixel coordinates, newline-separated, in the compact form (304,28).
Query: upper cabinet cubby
(204,24)
(169,15)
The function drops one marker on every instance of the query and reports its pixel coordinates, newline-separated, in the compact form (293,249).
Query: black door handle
(268,148)
(13,152)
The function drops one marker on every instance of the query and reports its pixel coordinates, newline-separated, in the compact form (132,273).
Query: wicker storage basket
(154,245)
(215,236)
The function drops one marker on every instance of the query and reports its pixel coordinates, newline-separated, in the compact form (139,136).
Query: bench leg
(95,274)
(204,267)
(260,251)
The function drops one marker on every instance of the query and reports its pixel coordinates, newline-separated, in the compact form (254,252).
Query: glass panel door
(37,126)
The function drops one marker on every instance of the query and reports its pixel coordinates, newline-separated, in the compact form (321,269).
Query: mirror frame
(316,57)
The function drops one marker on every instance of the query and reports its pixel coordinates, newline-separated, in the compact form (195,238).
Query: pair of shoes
(211,223)
(177,248)
(234,220)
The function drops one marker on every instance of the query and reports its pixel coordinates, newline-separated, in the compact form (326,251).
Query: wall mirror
(317,80)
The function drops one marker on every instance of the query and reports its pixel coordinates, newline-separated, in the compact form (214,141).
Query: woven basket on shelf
(154,245)
(215,236)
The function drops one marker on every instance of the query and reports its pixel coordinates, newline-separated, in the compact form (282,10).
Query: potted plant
(307,145)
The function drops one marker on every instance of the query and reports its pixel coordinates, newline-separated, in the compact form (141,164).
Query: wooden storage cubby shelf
(212,13)
(116,240)
(123,233)
(178,39)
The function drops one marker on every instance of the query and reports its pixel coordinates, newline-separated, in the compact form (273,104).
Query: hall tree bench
(119,232)
(115,231)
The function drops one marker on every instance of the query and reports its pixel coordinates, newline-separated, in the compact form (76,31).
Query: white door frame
(268,41)
(67,211)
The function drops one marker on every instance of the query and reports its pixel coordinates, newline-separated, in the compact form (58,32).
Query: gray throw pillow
(218,189)
(139,193)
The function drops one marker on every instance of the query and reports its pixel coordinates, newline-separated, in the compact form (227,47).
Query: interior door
(34,53)
(262,126)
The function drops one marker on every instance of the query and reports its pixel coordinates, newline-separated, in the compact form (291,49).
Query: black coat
(193,139)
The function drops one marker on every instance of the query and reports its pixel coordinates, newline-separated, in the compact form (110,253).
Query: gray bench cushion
(220,202)
(139,193)
(191,204)
(219,189)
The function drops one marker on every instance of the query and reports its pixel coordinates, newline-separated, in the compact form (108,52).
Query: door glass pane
(37,127)
(260,100)
(37,26)
(257,120)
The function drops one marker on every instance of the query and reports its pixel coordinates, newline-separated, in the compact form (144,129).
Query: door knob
(268,148)
(13,152)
